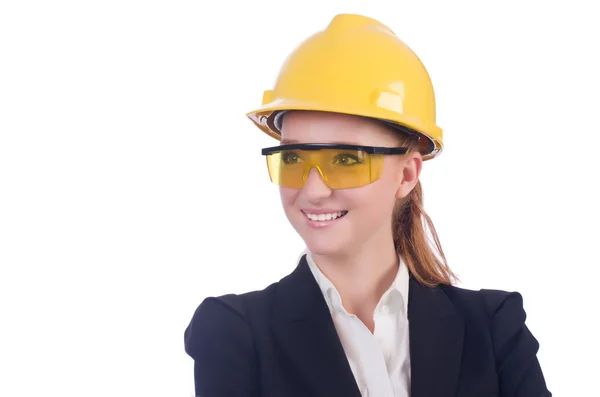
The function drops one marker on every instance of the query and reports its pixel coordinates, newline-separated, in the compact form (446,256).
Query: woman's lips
(319,219)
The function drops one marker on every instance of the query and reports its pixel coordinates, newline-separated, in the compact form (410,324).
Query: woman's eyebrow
(289,141)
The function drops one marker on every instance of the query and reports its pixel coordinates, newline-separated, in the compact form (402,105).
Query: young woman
(370,309)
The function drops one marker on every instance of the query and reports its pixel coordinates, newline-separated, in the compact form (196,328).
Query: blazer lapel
(436,338)
(307,338)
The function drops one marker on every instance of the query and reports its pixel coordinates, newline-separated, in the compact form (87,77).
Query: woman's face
(369,208)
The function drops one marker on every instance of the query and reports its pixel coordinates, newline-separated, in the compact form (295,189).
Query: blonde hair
(425,259)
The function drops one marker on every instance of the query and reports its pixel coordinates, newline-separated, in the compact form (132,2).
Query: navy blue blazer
(282,342)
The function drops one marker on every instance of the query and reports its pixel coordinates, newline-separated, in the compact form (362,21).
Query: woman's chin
(324,246)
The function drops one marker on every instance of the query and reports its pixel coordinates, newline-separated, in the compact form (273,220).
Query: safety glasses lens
(338,168)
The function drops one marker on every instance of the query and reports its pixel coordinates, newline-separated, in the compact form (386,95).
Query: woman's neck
(361,277)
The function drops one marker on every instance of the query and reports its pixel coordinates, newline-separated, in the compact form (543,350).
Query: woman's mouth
(323,219)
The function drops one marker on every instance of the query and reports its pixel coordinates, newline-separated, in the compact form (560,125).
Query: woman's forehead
(323,127)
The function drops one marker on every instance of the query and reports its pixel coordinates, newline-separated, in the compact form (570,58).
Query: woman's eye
(290,158)
(346,159)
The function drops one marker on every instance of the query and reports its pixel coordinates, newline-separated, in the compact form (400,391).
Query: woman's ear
(408,173)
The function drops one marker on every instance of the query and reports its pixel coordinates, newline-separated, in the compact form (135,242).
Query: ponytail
(409,222)
(412,244)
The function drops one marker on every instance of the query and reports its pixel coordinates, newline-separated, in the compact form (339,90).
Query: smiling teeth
(324,217)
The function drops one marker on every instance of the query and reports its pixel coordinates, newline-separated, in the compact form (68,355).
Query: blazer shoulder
(242,305)
(487,302)
(497,301)
(514,346)
(221,340)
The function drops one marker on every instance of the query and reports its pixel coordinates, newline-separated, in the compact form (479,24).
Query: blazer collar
(305,332)
(436,341)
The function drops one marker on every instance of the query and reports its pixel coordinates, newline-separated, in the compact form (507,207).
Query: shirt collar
(393,300)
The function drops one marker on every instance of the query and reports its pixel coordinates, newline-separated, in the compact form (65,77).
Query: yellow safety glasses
(340,166)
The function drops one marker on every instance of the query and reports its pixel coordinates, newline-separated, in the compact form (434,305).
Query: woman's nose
(314,188)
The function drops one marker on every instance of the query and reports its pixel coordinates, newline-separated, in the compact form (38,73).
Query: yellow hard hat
(356,66)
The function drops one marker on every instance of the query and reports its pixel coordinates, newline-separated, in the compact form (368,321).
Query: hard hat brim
(264,118)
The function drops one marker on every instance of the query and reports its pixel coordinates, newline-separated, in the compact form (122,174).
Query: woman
(370,309)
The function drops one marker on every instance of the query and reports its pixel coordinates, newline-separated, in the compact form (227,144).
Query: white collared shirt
(380,361)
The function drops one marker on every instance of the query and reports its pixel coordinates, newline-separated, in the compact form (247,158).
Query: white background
(132,185)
